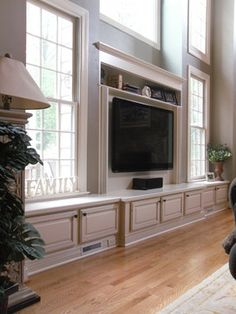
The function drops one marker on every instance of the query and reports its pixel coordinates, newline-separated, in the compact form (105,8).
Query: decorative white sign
(44,187)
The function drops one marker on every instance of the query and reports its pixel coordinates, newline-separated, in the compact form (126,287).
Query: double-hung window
(199,29)
(139,18)
(54,53)
(198,126)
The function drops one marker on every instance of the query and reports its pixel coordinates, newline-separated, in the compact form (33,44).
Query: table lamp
(17,87)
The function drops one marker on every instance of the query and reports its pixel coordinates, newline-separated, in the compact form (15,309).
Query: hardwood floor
(141,278)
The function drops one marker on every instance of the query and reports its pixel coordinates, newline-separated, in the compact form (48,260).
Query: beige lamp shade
(16,82)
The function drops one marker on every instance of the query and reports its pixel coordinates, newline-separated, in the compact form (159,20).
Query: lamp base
(21,299)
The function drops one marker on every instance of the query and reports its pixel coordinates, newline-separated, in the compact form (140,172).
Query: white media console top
(60,205)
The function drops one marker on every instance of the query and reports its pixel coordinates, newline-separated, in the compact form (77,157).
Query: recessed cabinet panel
(145,213)
(59,231)
(172,207)
(221,194)
(193,202)
(98,222)
(208,197)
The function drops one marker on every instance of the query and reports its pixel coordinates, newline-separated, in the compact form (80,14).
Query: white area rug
(214,295)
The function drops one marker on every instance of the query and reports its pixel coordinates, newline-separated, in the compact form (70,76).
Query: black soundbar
(147,183)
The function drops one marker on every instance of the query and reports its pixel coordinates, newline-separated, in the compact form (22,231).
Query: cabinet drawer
(208,197)
(221,194)
(172,207)
(145,213)
(98,222)
(193,202)
(59,231)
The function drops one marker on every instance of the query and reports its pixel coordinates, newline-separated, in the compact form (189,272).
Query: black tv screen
(142,137)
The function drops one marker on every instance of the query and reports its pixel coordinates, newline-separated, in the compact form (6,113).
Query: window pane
(49,83)
(51,117)
(198,24)
(66,143)
(65,60)
(65,32)
(197,102)
(130,14)
(49,55)
(67,117)
(33,19)
(50,145)
(65,86)
(49,25)
(33,50)
(198,152)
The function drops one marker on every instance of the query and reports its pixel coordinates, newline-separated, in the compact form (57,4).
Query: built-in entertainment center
(139,137)
(140,125)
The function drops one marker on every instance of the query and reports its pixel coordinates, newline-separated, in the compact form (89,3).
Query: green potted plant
(217,154)
(18,239)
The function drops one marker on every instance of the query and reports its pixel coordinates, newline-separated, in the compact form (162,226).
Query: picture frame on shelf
(157,93)
(170,97)
(210,176)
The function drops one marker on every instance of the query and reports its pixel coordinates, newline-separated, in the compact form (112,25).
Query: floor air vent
(91,247)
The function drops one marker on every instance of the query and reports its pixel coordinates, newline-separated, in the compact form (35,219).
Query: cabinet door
(193,202)
(208,197)
(59,231)
(172,207)
(221,194)
(98,222)
(145,213)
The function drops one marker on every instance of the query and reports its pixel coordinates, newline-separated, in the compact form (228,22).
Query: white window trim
(129,31)
(82,55)
(192,71)
(193,50)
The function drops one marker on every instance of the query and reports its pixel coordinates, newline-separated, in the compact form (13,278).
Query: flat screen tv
(142,137)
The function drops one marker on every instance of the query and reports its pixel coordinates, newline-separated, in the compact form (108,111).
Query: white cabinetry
(145,213)
(215,197)
(98,222)
(59,231)
(60,234)
(208,197)
(153,211)
(193,202)
(72,234)
(221,194)
(172,207)
(104,221)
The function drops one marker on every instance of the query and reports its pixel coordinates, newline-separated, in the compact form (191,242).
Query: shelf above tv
(118,59)
(140,98)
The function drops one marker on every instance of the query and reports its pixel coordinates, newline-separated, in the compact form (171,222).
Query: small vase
(219,170)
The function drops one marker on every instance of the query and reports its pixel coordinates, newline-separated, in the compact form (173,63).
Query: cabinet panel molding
(221,194)
(172,207)
(98,222)
(193,202)
(59,231)
(208,197)
(145,213)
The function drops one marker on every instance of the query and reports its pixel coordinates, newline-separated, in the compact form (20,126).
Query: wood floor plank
(141,278)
